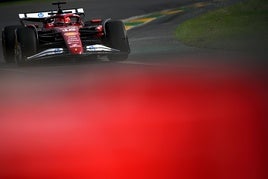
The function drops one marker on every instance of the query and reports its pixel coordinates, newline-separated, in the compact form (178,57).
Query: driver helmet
(67,20)
(62,20)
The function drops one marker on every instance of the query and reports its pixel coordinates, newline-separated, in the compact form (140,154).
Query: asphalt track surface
(169,111)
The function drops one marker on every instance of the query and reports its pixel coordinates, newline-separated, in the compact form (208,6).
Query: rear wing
(40,16)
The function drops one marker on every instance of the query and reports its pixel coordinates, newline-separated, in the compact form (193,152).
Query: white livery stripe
(48,13)
(100,48)
(48,52)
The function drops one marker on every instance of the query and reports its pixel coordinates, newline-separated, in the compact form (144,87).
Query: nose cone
(76,50)
(72,39)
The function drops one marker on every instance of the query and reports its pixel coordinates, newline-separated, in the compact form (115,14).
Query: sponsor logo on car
(40,15)
(69,29)
(70,33)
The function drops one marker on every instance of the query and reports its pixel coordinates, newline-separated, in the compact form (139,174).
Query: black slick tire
(8,43)
(116,37)
(26,44)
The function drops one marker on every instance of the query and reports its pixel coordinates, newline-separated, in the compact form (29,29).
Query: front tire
(26,44)
(8,43)
(116,37)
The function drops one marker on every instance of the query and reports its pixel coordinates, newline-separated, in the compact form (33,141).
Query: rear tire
(116,37)
(26,44)
(8,43)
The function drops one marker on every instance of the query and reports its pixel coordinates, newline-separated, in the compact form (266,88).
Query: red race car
(63,33)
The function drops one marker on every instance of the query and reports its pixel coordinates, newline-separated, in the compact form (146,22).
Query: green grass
(236,27)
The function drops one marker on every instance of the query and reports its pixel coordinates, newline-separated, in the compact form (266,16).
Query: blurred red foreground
(135,124)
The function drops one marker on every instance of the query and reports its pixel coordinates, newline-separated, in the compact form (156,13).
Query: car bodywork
(57,37)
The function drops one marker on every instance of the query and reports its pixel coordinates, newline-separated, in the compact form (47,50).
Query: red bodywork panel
(72,39)
(70,31)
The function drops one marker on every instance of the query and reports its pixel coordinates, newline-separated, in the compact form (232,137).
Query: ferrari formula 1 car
(63,33)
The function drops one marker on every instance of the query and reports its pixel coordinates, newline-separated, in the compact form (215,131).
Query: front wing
(97,49)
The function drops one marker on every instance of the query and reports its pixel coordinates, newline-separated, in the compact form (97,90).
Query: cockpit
(62,20)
